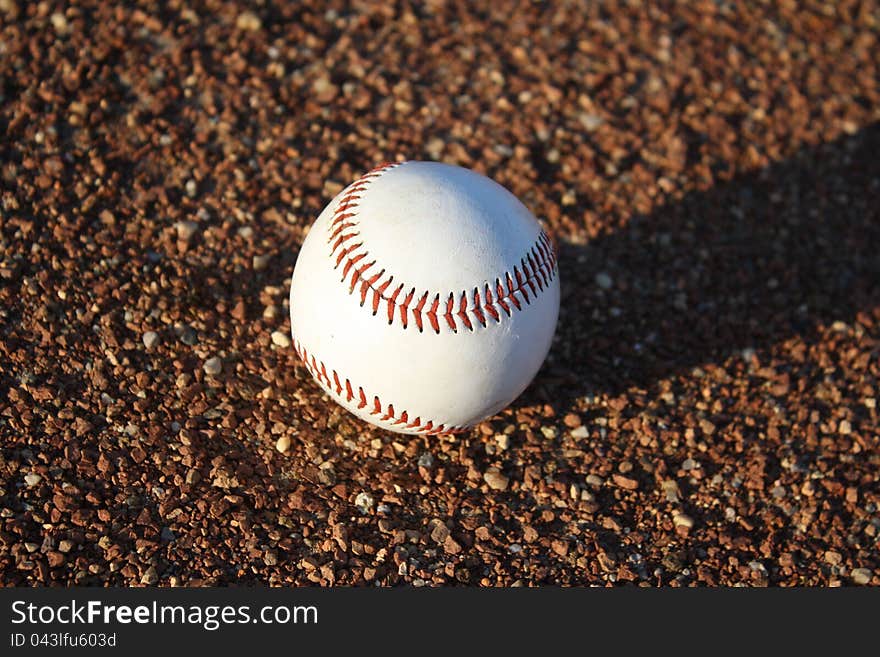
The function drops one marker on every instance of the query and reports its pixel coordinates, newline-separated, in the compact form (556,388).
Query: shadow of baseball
(736,269)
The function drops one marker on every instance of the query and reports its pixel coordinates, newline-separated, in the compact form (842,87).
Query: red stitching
(318,369)
(404,307)
(432,314)
(490,306)
(450,304)
(536,271)
(417,311)
(391,303)
(462,312)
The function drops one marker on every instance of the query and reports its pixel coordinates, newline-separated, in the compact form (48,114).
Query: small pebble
(150,576)
(187,334)
(572,420)
(32,479)
(434,148)
(590,122)
(604,281)
(60,24)
(683,520)
(580,432)
(671,490)
(213,366)
(625,482)
(495,479)
(248,21)
(549,432)
(260,262)
(186,230)
(325,91)
(861,576)
(440,532)
(280,339)
(55,558)
(282,444)
(364,502)
(151,339)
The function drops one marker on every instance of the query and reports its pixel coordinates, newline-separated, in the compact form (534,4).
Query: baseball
(424,298)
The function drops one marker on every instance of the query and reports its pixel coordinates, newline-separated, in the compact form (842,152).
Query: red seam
(450,304)
(535,273)
(318,370)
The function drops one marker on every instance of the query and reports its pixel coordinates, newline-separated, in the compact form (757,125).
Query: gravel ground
(707,415)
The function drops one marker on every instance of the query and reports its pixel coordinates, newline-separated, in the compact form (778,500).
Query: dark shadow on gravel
(742,266)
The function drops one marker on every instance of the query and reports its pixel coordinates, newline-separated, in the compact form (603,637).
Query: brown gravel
(708,413)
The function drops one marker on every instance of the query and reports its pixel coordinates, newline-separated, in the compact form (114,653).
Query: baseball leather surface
(424,298)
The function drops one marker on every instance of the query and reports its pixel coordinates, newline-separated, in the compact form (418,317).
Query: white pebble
(32,479)
(213,366)
(283,444)
(280,339)
(260,262)
(249,21)
(590,121)
(435,147)
(549,432)
(186,230)
(59,22)
(580,432)
(151,339)
(364,502)
(495,479)
(683,520)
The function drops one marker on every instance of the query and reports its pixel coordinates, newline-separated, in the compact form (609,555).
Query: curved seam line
(536,271)
(383,413)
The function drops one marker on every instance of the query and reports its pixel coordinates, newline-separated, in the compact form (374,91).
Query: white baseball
(424,298)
